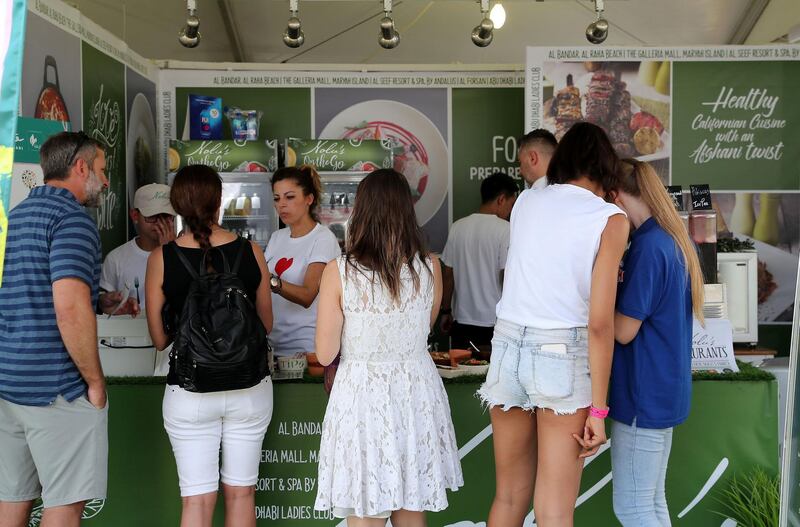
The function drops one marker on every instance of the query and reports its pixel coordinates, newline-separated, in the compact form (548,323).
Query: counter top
(747,372)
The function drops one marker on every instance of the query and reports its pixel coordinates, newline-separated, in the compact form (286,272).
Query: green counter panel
(733,427)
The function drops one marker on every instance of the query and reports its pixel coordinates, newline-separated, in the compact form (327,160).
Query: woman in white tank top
(553,341)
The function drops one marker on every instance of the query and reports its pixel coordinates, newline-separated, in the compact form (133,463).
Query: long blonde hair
(640,180)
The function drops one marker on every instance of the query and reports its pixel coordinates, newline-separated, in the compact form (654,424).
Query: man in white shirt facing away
(122,277)
(535,150)
(474,259)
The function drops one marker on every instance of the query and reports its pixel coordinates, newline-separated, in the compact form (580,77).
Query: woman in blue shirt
(660,286)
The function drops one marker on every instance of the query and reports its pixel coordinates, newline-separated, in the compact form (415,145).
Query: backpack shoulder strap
(191,270)
(242,244)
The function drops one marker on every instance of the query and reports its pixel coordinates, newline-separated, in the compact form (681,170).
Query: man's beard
(94,191)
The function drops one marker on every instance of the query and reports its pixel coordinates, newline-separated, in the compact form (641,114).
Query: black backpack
(220,342)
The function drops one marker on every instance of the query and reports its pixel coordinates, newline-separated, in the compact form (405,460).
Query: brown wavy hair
(383,234)
(307,179)
(196,195)
(640,180)
(585,150)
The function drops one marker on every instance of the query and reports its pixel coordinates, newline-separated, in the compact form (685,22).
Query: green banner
(225,155)
(336,155)
(486,125)
(31,134)
(104,120)
(734,121)
(707,450)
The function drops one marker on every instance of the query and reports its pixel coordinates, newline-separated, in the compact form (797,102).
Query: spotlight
(189,36)
(597,32)
(390,37)
(498,15)
(482,34)
(293,36)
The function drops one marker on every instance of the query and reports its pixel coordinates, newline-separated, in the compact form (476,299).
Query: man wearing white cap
(122,277)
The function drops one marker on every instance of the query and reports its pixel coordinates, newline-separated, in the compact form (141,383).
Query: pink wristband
(598,413)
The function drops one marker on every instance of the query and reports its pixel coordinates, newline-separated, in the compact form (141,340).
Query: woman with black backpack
(218,312)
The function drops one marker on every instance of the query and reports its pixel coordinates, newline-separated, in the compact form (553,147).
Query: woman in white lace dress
(388,448)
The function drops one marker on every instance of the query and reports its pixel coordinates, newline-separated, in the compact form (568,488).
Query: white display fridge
(337,200)
(341,164)
(246,207)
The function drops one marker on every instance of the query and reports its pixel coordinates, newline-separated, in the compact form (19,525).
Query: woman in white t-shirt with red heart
(296,256)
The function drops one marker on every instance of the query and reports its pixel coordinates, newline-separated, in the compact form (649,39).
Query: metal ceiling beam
(232,29)
(748,21)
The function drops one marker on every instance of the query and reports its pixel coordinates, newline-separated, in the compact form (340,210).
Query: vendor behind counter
(122,277)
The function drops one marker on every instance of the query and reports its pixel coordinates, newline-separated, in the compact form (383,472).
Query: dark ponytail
(307,179)
(196,195)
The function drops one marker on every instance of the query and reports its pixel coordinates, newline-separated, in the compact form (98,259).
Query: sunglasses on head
(82,141)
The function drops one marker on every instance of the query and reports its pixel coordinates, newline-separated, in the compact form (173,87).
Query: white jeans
(197,423)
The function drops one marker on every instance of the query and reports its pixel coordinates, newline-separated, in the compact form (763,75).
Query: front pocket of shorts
(553,374)
(499,349)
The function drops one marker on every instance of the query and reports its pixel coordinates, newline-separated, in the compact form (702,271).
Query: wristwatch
(275,283)
(446,311)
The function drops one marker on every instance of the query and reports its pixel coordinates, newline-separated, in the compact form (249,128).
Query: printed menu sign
(712,346)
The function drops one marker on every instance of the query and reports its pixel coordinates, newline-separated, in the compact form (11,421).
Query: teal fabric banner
(12,33)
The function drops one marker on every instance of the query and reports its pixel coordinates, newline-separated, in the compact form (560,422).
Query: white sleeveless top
(555,235)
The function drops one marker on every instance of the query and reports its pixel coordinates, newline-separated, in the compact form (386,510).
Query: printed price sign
(712,346)
(701,197)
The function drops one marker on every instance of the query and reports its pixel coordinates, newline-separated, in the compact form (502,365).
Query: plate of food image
(606,98)
(141,146)
(420,150)
(777,273)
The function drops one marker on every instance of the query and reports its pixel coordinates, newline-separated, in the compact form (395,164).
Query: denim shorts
(521,374)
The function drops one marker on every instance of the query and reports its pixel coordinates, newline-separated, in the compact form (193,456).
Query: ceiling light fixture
(390,37)
(189,36)
(597,32)
(293,36)
(498,15)
(482,34)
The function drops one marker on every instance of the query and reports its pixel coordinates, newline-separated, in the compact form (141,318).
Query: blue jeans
(639,470)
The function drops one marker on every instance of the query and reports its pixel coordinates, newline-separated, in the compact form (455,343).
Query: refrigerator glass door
(338,198)
(247,208)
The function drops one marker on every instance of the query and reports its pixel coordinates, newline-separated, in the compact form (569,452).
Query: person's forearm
(601,351)
(77,324)
(297,294)
(448,285)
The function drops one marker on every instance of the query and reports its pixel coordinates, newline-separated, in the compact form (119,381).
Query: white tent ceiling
(433,32)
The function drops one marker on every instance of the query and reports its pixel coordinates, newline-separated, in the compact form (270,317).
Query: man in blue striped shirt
(53,412)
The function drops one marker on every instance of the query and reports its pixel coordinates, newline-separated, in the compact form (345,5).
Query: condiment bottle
(742,219)
(240,202)
(766,227)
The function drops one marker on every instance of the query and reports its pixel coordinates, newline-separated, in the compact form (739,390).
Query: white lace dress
(387,438)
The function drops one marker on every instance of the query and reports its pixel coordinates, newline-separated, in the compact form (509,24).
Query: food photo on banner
(629,100)
(415,120)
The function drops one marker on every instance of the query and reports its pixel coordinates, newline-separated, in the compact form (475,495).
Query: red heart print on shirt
(282,265)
